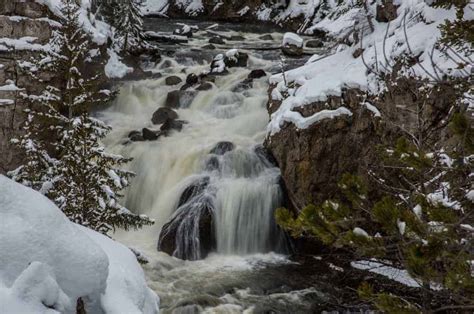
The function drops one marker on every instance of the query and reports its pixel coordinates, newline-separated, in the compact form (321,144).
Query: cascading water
(211,187)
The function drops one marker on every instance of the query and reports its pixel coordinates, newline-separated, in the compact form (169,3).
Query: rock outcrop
(18,20)
(312,160)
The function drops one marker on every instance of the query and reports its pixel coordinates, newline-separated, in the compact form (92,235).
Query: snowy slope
(47,262)
(329,75)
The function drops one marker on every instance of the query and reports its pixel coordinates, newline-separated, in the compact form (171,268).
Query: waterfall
(210,187)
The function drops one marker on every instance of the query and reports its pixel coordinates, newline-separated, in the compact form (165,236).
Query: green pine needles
(65,159)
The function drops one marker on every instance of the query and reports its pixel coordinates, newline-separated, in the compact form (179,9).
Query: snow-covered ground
(414,32)
(47,262)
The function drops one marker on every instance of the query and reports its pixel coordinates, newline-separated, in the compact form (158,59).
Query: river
(249,270)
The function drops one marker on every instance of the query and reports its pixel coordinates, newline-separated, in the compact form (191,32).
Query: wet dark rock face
(189,234)
(161,115)
(222,147)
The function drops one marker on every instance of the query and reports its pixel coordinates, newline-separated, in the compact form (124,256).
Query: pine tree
(130,24)
(83,180)
(90,191)
(420,218)
(460,31)
(42,123)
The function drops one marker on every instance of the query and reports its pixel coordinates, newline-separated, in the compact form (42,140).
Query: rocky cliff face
(312,160)
(25,27)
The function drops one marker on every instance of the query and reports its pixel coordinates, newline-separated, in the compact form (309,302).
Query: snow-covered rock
(47,262)
(292,39)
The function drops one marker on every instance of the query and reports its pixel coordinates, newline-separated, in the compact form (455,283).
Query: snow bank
(99,30)
(126,290)
(399,275)
(33,229)
(115,68)
(156,7)
(47,262)
(328,76)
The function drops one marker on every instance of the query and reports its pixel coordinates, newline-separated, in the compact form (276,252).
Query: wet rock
(314,43)
(193,190)
(265,155)
(185,30)
(162,114)
(166,38)
(136,136)
(204,86)
(190,234)
(244,85)
(237,38)
(292,51)
(255,74)
(173,80)
(192,79)
(217,40)
(266,37)
(166,64)
(222,147)
(212,163)
(207,78)
(239,59)
(386,12)
(292,45)
(179,99)
(209,47)
(171,124)
(179,237)
(150,135)
(218,66)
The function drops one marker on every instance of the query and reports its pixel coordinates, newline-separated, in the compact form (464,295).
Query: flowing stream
(215,163)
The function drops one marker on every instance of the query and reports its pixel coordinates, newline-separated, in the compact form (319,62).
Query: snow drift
(47,262)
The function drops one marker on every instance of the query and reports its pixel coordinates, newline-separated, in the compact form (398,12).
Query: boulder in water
(162,114)
(173,80)
(150,135)
(235,58)
(314,43)
(189,234)
(193,190)
(292,45)
(255,74)
(172,124)
(217,40)
(179,99)
(266,37)
(209,47)
(136,136)
(212,163)
(204,86)
(222,147)
(237,38)
(192,79)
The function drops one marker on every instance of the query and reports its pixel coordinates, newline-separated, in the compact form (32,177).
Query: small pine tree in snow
(84,180)
(90,195)
(130,24)
(42,123)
